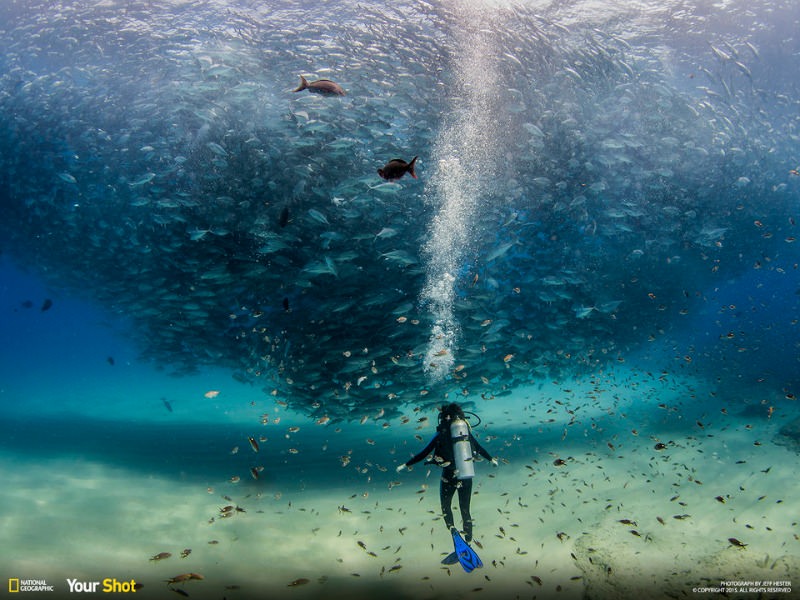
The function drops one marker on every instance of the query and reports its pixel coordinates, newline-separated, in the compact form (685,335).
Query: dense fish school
(171,174)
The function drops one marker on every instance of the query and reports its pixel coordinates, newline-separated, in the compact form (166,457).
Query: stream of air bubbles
(463,156)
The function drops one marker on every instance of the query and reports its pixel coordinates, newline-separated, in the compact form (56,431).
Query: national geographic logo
(16,585)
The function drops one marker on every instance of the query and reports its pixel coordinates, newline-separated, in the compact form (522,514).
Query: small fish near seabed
(160,556)
(397,167)
(326,87)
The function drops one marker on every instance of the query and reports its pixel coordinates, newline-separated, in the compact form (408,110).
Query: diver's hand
(401,467)
(494,461)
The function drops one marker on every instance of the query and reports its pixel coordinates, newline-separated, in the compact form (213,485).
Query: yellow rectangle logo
(13,585)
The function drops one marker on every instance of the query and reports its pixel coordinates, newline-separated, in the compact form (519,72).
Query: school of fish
(161,159)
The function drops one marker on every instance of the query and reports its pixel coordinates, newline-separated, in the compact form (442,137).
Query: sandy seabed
(91,500)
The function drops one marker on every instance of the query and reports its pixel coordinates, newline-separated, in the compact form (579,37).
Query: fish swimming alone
(397,167)
(321,86)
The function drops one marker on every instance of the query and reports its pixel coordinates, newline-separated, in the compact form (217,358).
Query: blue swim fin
(466,556)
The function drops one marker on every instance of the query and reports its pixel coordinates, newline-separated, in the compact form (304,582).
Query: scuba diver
(453,448)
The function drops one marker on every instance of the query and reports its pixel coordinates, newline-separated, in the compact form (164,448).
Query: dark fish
(296,582)
(660,446)
(27,304)
(737,543)
(253,443)
(283,220)
(321,86)
(161,556)
(167,405)
(397,167)
(47,304)
(110,360)
(286,304)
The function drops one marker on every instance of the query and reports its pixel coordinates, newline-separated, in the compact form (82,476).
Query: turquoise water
(597,257)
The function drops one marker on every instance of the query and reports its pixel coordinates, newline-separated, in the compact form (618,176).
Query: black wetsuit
(442,447)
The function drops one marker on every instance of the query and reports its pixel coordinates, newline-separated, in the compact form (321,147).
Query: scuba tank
(462,449)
